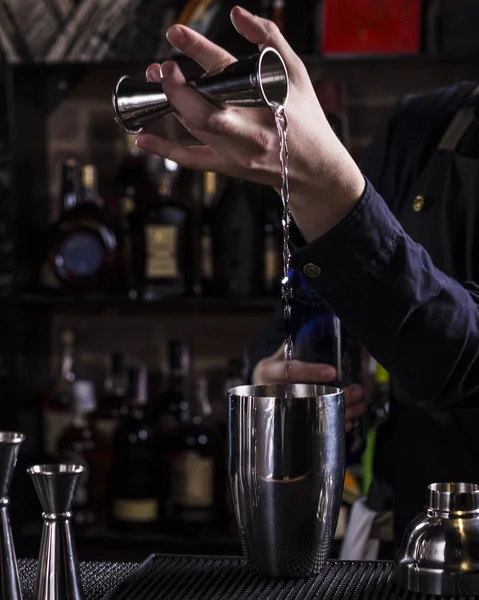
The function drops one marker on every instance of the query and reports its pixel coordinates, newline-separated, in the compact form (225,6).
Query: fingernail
(167,69)
(175,34)
(153,73)
(243,11)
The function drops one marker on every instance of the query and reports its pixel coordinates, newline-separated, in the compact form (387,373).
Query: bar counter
(216,578)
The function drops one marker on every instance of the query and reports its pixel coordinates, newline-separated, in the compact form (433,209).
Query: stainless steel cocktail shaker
(286,462)
(260,80)
(439,553)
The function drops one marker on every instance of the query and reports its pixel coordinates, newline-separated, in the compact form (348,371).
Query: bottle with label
(272,250)
(162,232)
(133,485)
(193,459)
(83,245)
(82,444)
(207,243)
(57,401)
(108,414)
(239,242)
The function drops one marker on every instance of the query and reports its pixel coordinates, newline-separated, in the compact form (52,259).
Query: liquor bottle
(207,245)
(193,459)
(58,399)
(133,493)
(172,402)
(82,444)
(83,244)
(133,187)
(108,414)
(239,242)
(272,250)
(162,241)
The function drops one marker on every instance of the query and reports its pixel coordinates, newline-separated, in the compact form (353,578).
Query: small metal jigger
(9,580)
(58,575)
(258,81)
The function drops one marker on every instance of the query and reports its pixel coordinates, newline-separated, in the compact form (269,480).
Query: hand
(325,182)
(272,370)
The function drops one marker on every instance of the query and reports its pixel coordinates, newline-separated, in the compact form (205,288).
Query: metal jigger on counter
(258,81)
(9,581)
(58,574)
(286,463)
(439,553)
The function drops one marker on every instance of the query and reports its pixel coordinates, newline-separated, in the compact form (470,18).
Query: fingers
(274,371)
(153,73)
(207,54)
(191,157)
(191,105)
(264,33)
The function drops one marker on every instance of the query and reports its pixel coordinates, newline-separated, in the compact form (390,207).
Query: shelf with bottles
(152,442)
(160,234)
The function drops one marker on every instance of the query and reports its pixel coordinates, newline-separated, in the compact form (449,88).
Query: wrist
(324,205)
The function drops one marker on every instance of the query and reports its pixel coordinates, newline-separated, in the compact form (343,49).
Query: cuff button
(311,270)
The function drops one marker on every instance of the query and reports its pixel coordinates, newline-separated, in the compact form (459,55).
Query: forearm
(420,324)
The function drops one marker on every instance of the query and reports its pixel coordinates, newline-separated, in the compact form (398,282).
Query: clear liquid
(286,288)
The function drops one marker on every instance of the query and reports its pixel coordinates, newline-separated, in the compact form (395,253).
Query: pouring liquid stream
(286,287)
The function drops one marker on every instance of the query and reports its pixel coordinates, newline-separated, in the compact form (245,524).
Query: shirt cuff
(362,242)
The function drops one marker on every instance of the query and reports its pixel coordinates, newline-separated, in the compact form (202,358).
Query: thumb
(279,354)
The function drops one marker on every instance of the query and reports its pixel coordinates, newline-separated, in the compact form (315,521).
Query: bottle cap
(84,396)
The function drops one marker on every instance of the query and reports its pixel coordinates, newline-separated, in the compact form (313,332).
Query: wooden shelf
(124,301)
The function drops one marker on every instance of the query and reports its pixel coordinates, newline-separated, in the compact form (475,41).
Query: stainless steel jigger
(258,81)
(286,462)
(9,580)
(58,575)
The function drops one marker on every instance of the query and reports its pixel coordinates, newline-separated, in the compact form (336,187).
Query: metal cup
(259,80)
(286,462)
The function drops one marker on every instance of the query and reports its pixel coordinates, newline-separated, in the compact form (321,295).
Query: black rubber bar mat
(98,578)
(203,578)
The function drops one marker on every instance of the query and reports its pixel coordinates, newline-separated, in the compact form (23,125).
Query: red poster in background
(371,26)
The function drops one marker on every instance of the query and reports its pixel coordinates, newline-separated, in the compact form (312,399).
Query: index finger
(207,54)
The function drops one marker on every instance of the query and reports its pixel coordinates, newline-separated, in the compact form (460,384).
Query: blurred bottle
(57,401)
(83,244)
(162,238)
(133,487)
(108,414)
(82,444)
(173,401)
(193,460)
(207,237)
(133,187)
(272,251)
(239,242)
